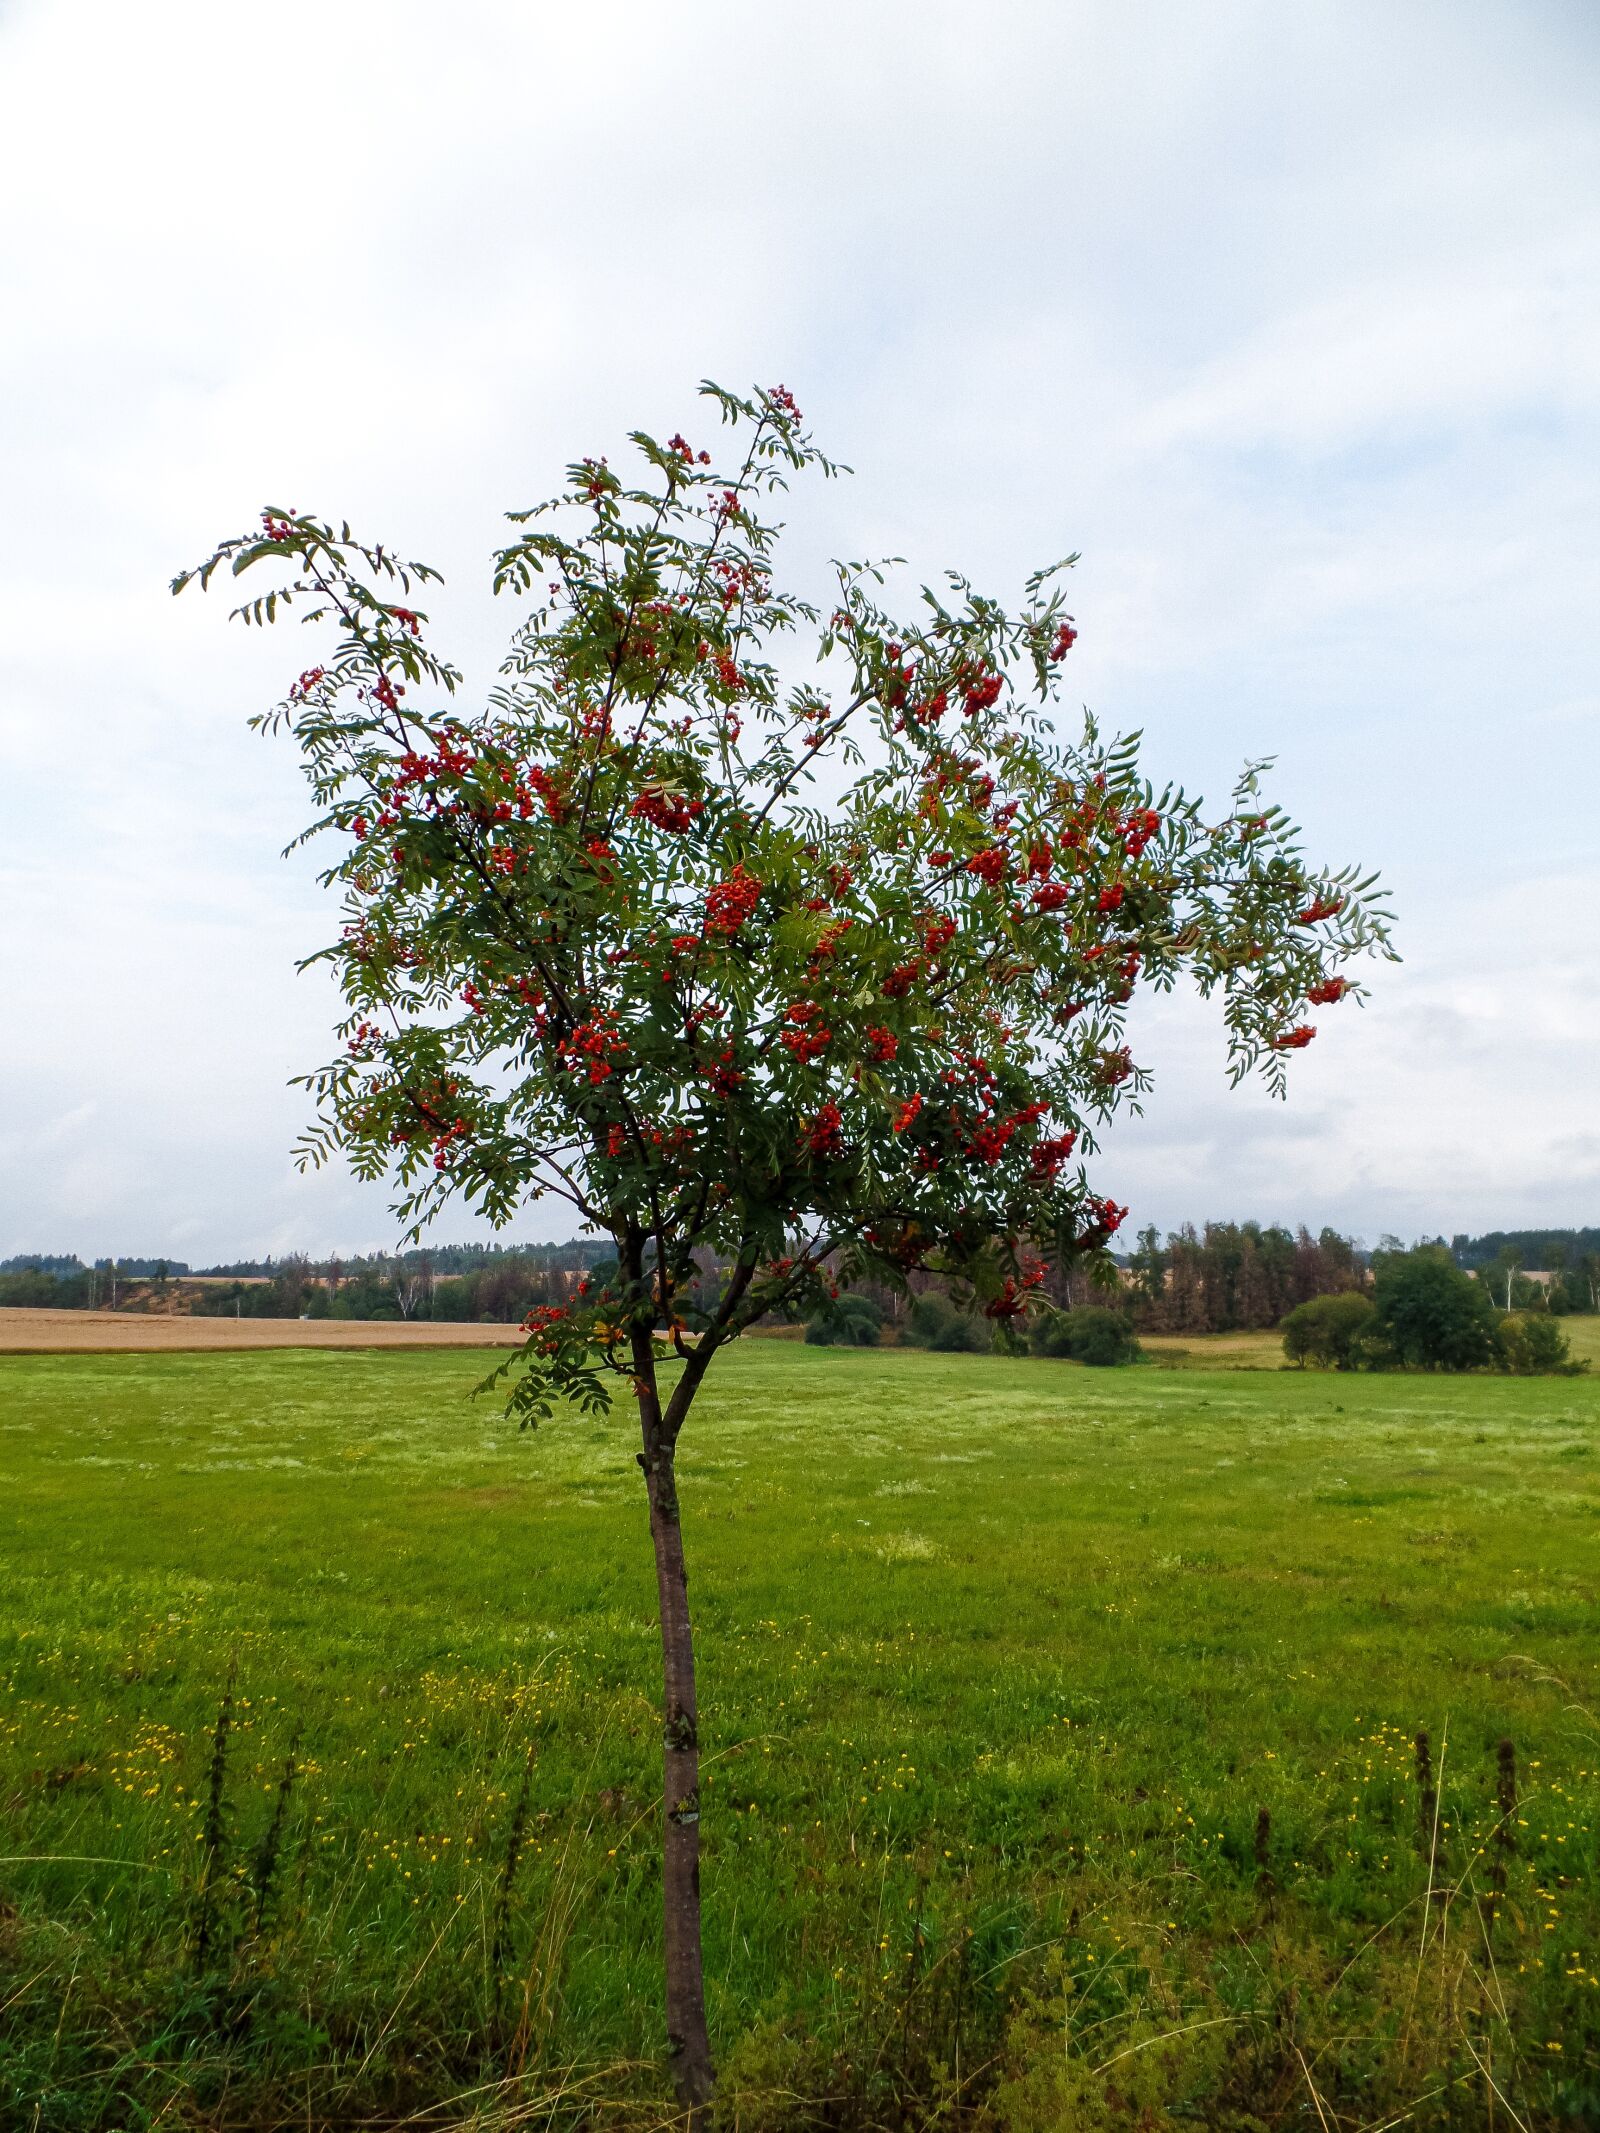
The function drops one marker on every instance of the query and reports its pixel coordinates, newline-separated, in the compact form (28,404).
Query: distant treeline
(1233,1277)
(434,1259)
(45,1281)
(66,1266)
(1225,1277)
(1240,1277)
(463,1284)
(1543,1251)
(459,1282)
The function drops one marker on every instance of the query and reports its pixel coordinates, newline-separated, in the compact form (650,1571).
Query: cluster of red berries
(992,1139)
(542,1325)
(445,1141)
(667,811)
(1137,831)
(825,1136)
(808,1039)
(1046,1157)
(1105,1218)
(979,690)
(720,1071)
(1294,1040)
(537,783)
(729,903)
(737,581)
(593,1049)
(1013,1297)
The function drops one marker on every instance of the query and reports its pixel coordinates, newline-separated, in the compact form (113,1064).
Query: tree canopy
(783,968)
(1430,1315)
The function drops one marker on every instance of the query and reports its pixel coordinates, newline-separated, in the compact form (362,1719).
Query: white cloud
(1286,318)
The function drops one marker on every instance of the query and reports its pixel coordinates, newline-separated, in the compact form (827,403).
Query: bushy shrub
(1534,1346)
(961,1336)
(846,1322)
(1091,1334)
(1051,1336)
(934,1322)
(930,1313)
(1329,1331)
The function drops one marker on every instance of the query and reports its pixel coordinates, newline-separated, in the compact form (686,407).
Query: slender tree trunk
(687,2040)
(685,1984)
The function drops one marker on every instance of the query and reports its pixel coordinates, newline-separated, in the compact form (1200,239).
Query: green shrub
(1329,1331)
(935,1322)
(1534,1346)
(1102,1338)
(928,1316)
(1092,1334)
(845,1321)
(961,1335)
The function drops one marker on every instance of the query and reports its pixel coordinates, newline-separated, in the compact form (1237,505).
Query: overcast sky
(1288,318)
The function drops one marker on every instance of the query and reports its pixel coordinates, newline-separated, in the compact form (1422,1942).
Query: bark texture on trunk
(687,2040)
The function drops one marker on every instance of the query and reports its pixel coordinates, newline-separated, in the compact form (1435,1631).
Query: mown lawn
(1001,1662)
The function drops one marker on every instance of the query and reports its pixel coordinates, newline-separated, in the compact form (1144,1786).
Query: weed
(213,1837)
(270,1847)
(516,1831)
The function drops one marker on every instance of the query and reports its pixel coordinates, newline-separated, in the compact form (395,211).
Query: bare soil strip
(82,1332)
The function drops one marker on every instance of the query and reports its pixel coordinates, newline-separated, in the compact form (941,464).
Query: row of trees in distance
(469,1283)
(1423,1312)
(1223,1277)
(1399,1310)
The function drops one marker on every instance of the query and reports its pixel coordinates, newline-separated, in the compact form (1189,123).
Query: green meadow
(1061,1736)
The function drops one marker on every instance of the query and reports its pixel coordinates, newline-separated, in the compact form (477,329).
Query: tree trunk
(687,2041)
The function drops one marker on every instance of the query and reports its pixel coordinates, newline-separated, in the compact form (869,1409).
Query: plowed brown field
(79,1332)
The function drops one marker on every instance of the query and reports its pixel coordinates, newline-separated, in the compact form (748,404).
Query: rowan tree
(798,938)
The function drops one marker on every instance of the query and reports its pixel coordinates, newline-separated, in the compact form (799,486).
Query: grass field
(1001,1663)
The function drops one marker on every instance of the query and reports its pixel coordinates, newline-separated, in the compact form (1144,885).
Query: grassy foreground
(1001,1662)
